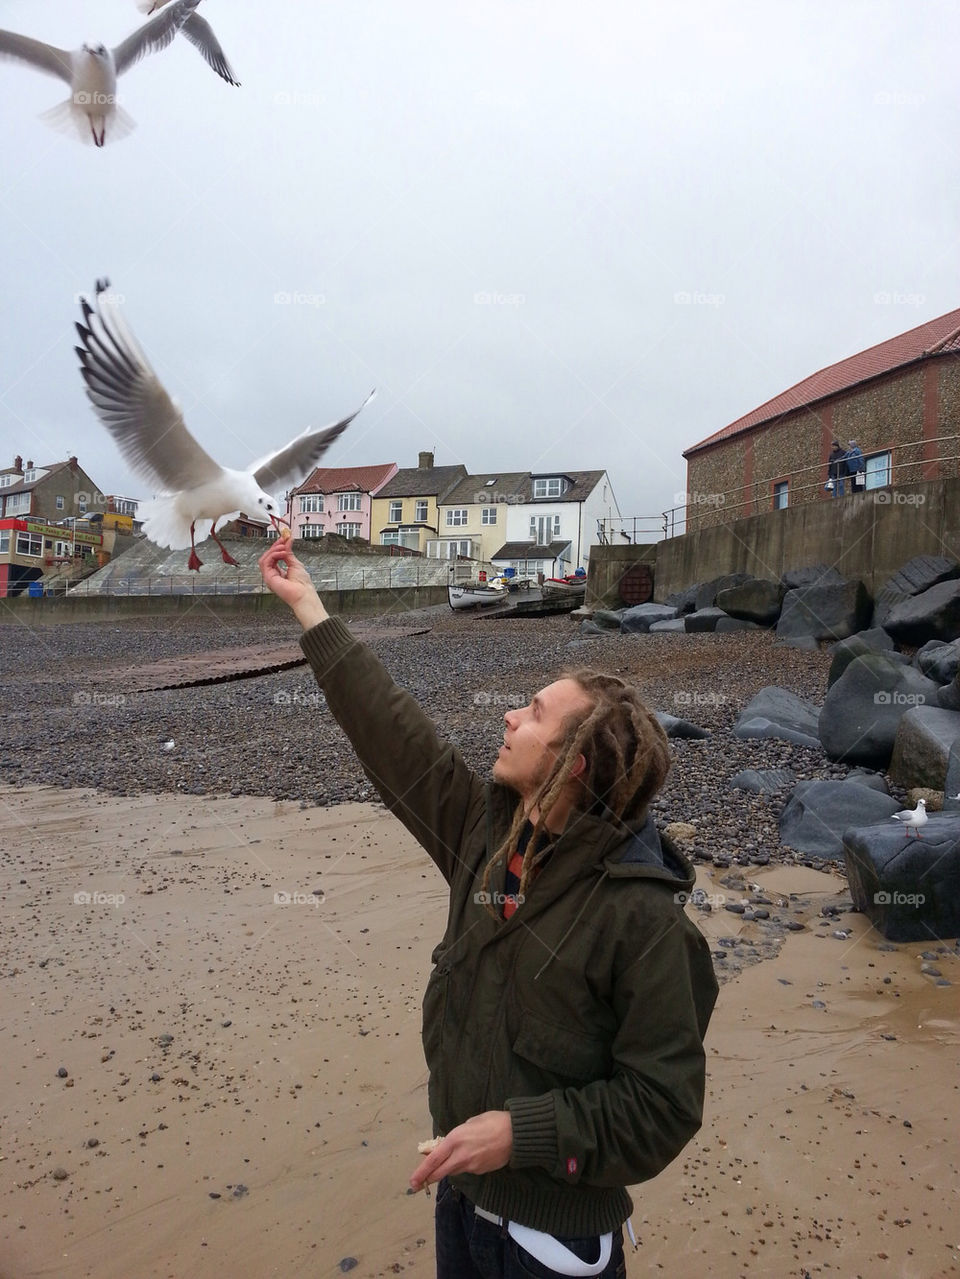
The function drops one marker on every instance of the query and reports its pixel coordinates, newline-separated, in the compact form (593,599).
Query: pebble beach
(215,942)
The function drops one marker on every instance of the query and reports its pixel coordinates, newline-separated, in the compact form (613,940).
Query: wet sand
(281,1127)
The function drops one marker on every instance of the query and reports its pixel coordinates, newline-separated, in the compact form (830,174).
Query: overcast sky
(554,235)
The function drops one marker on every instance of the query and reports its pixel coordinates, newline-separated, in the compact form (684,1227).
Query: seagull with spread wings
(195,492)
(92,70)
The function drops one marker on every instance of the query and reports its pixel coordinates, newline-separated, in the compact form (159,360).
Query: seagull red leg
(194,561)
(227,557)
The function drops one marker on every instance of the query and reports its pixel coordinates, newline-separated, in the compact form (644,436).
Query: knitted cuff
(534,1122)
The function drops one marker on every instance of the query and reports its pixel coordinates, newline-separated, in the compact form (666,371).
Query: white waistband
(551,1252)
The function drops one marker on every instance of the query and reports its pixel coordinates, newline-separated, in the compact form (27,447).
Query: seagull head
(263,506)
(96,51)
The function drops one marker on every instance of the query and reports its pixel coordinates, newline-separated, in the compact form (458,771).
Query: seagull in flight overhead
(195,492)
(92,70)
(913,818)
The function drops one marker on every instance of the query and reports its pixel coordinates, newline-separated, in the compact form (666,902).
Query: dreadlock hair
(627,760)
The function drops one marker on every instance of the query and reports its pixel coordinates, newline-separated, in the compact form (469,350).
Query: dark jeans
(470,1247)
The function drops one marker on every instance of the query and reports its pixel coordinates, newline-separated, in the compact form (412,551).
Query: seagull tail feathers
(164,525)
(67,117)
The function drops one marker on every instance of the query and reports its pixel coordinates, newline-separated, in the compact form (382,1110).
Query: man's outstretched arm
(421,779)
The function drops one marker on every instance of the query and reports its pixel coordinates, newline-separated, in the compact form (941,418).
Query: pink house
(337,500)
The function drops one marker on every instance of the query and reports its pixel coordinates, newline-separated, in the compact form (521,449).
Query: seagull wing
(200,34)
(153,35)
(130,401)
(44,57)
(298,458)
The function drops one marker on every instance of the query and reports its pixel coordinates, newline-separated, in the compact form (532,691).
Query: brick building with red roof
(337,500)
(899,400)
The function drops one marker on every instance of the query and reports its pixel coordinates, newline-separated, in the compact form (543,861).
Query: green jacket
(583,1015)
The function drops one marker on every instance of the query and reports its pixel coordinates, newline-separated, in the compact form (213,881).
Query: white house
(552,529)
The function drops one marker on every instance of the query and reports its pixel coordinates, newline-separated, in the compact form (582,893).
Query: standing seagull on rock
(92,70)
(148,428)
(913,818)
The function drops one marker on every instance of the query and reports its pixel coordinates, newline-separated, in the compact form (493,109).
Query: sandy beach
(212,1063)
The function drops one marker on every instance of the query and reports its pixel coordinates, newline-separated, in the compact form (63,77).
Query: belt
(551,1252)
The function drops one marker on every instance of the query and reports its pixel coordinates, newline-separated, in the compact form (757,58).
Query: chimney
(18,463)
(426,462)
(29,466)
(72,463)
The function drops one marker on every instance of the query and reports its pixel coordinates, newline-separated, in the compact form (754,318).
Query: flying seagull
(913,818)
(92,70)
(194,491)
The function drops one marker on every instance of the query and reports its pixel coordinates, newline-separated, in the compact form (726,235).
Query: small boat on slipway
(571,587)
(475,595)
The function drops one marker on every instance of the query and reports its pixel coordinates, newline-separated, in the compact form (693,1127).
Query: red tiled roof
(936,337)
(337,479)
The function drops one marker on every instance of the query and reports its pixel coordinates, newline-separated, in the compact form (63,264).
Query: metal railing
(725,507)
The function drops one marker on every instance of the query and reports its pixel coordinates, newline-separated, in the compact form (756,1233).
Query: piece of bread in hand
(424,1147)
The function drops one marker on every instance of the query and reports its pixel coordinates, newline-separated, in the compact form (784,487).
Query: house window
(81,506)
(553,486)
(449,548)
(396,512)
(420,512)
(348,502)
(544,528)
(59,502)
(4,541)
(781,496)
(349,530)
(488,515)
(18,503)
(311,503)
(29,544)
(879,470)
(30,476)
(310,530)
(390,537)
(62,550)
(7,480)
(458,515)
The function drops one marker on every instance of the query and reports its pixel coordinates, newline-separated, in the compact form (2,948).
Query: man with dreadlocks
(563,1022)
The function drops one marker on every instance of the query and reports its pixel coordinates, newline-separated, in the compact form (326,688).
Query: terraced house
(337,500)
(405,511)
(899,401)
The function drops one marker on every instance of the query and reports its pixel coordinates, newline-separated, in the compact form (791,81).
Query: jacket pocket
(435,1012)
(564,1055)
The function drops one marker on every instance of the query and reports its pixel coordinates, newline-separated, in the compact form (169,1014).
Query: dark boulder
(829,612)
(951,790)
(727,624)
(756,601)
(684,601)
(917,575)
(862,709)
(816,815)
(674,727)
(607,619)
(921,751)
(948,696)
(864,777)
(677,624)
(933,614)
(707,591)
(938,660)
(810,575)
(776,712)
(909,888)
(704,619)
(637,620)
(845,651)
(588,627)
